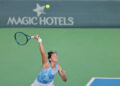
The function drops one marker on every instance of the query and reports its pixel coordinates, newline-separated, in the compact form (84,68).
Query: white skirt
(36,83)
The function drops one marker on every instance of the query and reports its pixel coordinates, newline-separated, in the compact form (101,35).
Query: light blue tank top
(46,76)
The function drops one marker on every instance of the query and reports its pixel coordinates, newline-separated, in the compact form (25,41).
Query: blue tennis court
(104,82)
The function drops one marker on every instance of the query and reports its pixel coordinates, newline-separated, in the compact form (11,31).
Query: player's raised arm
(44,57)
(62,73)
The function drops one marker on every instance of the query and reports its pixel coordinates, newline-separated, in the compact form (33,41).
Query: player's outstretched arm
(44,57)
(62,73)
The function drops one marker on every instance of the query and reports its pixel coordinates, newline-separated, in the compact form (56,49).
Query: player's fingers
(63,71)
(36,36)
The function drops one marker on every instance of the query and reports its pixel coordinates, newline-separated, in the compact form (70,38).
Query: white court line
(89,83)
(93,78)
(107,77)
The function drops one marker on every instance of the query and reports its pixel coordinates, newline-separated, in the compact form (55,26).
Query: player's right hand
(37,37)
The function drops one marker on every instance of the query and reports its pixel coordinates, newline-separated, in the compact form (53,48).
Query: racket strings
(21,38)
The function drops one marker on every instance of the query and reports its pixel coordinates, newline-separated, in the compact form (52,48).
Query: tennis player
(49,67)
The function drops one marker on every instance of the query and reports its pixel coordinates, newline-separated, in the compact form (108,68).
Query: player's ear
(49,59)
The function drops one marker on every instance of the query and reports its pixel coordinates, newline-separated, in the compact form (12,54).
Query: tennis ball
(47,6)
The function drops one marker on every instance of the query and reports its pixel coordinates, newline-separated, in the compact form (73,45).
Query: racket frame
(27,38)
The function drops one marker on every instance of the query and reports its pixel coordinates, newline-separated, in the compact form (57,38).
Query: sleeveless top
(46,76)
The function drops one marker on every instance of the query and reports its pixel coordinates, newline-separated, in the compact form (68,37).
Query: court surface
(82,53)
(104,82)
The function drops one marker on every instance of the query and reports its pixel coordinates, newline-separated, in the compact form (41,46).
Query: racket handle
(32,37)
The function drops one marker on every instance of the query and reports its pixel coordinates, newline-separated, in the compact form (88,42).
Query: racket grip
(32,37)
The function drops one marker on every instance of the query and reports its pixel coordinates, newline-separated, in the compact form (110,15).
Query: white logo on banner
(38,20)
(39,9)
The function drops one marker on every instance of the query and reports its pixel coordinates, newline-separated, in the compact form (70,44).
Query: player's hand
(63,72)
(37,37)
(64,75)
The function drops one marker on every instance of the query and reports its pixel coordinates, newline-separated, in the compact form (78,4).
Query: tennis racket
(22,38)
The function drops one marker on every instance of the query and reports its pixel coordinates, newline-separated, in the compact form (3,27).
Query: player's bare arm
(44,57)
(62,73)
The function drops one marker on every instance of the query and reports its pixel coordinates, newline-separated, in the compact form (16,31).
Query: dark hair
(50,54)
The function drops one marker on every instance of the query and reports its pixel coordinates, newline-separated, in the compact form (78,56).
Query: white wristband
(40,40)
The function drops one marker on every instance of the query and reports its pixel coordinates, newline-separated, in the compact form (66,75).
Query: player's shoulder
(58,65)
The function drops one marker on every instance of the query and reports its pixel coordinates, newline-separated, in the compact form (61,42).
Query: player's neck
(52,64)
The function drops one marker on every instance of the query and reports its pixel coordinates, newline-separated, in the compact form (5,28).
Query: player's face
(54,57)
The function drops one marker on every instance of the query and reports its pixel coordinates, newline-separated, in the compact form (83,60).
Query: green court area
(82,53)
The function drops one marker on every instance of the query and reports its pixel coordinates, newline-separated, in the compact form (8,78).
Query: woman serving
(49,67)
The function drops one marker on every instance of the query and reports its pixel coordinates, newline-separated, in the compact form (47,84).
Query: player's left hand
(63,72)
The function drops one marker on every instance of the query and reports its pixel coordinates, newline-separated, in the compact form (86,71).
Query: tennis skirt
(36,83)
